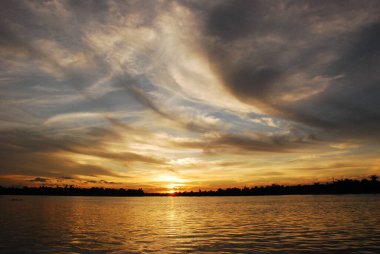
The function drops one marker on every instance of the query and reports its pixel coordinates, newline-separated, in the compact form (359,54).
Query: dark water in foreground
(292,224)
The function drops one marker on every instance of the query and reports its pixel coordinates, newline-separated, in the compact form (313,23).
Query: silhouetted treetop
(343,186)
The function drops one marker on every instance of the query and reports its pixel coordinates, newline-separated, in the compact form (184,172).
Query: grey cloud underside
(312,67)
(56,180)
(241,144)
(19,33)
(39,153)
(258,47)
(139,86)
(39,180)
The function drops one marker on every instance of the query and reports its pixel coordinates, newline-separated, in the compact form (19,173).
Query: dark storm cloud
(351,104)
(311,62)
(246,75)
(231,20)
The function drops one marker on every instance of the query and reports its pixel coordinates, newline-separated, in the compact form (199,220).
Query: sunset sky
(181,95)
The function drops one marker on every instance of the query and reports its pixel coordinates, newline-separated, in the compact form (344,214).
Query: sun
(170,178)
(171,183)
(173,187)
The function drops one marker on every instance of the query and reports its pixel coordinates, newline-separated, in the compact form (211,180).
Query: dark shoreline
(339,187)
(170,195)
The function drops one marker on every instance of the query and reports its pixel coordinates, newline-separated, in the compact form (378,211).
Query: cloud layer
(203,93)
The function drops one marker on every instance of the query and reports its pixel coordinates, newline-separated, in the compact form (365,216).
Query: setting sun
(171,183)
(170,178)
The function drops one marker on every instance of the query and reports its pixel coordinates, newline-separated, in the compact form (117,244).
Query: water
(293,224)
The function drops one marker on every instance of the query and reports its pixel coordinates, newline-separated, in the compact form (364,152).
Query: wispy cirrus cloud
(122,89)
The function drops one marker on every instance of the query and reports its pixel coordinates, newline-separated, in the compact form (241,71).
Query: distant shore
(343,186)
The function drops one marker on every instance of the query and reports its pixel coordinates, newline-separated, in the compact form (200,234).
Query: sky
(181,95)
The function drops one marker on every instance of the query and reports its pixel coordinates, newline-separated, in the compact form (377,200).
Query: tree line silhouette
(70,190)
(343,186)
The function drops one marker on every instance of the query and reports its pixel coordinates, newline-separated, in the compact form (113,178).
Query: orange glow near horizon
(171,183)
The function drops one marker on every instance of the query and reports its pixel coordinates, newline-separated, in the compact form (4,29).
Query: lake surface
(290,224)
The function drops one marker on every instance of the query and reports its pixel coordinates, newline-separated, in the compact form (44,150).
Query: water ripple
(284,224)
